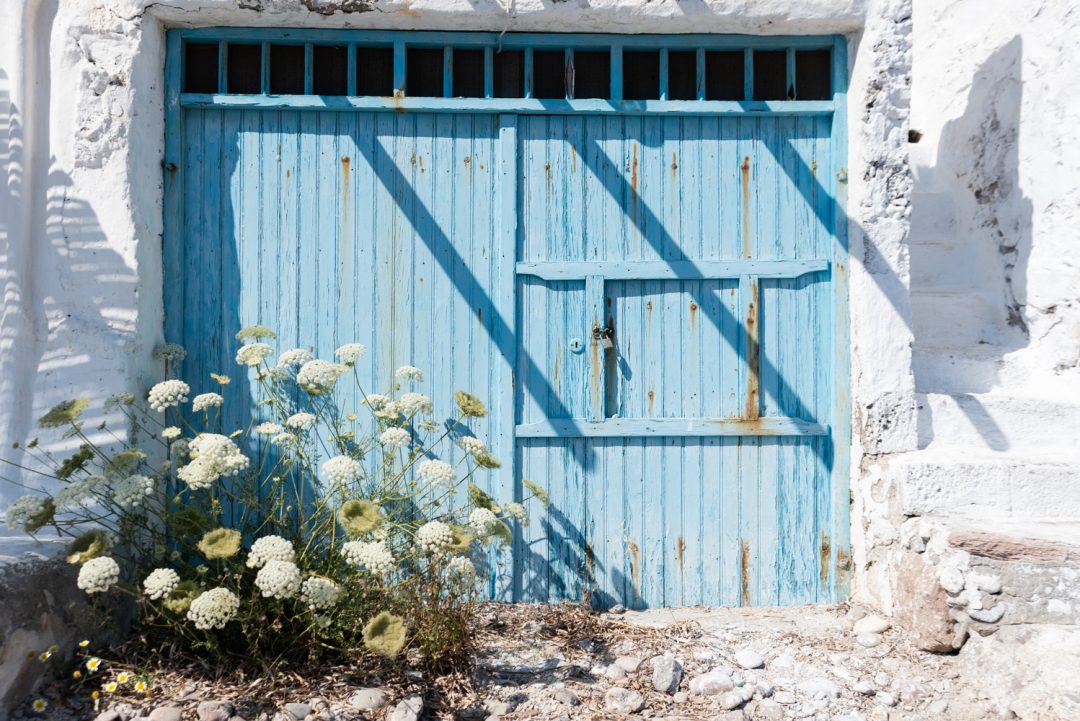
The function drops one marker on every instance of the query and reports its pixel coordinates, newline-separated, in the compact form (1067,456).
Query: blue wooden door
(650,294)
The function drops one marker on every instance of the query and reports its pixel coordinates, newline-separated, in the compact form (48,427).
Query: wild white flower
(24,509)
(483,521)
(319,593)
(213,609)
(284,439)
(518,511)
(119,399)
(213,456)
(462,570)
(268,429)
(319,376)
(434,537)
(350,352)
(428,425)
(270,548)
(133,490)
(473,445)
(372,555)
(280,373)
(167,394)
(409,373)
(389,411)
(436,472)
(78,491)
(395,438)
(170,352)
(341,470)
(278,579)
(300,421)
(160,583)
(170,433)
(205,401)
(98,574)
(295,357)
(252,354)
(376,401)
(416,403)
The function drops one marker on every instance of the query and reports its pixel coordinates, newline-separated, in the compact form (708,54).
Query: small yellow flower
(93,664)
(40,705)
(76,674)
(53,649)
(84,643)
(350,416)
(123,677)
(44,656)
(140,686)
(220,379)
(95,695)
(111,687)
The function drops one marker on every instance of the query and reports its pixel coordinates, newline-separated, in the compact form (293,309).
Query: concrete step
(943,266)
(974,369)
(961,483)
(955,318)
(992,422)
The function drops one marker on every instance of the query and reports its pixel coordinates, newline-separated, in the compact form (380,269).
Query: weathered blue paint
(494,241)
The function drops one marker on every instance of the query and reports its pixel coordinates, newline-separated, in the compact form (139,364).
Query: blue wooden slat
(670,269)
(635,427)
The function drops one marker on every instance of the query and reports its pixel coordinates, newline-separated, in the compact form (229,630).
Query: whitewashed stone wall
(81,141)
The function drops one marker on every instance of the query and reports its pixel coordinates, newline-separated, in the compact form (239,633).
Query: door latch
(605,335)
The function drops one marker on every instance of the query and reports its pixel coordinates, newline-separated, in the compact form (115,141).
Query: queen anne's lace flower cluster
(436,472)
(23,510)
(395,438)
(213,609)
(98,574)
(270,548)
(268,428)
(416,403)
(319,376)
(319,593)
(300,421)
(341,470)
(171,433)
(78,491)
(350,352)
(483,521)
(372,555)
(206,401)
(434,537)
(283,439)
(473,445)
(167,394)
(376,401)
(252,354)
(160,583)
(294,357)
(518,511)
(409,373)
(278,579)
(213,456)
(462,570)
(133,490)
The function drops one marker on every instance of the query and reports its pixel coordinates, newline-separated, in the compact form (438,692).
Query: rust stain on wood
(674,167)
(745,174)
(680,552)
(744,566)
(753,351)
(826,559)
(693,315)
(635,565)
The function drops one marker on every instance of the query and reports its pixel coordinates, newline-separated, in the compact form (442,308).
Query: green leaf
(88,546)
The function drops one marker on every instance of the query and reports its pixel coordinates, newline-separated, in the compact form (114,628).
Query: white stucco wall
(80,212)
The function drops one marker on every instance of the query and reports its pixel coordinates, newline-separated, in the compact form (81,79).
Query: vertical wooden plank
(594,303)
(350,72)
(264,68)
(841,471)
(399,67)
(223,67)
(309,68)
(616,72)
(528,72)
(173,230)
(489,72)
(748,74)
(505,243)
(699,83)
(790,91)
(663,74)
(448,72)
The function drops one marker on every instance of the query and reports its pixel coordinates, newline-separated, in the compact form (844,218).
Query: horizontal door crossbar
(671,270)
(700,427)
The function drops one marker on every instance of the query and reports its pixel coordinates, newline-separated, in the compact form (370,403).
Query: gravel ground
(828,663)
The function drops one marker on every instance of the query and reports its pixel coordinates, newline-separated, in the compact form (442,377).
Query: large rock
(922,609)
(623,700)
(408,709)
(666,674)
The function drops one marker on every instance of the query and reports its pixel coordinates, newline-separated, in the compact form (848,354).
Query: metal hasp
(632,246)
